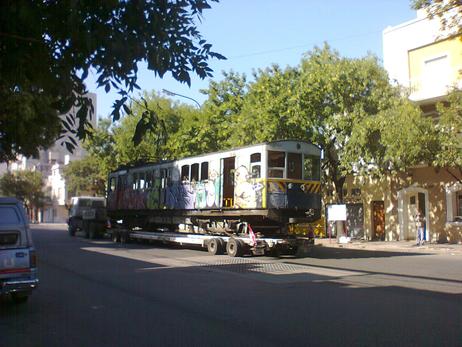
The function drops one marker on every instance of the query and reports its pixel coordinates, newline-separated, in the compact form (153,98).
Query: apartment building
(418,56)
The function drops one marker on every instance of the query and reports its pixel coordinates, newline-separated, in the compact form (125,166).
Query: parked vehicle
(87,214)
(18,262)
(241,200)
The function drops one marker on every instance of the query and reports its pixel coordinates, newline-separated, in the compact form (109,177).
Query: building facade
(428,62)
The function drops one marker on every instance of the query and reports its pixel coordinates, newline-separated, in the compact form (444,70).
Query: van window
(205,170)
(195,172)
(9,215)
(8,239)
(276,164)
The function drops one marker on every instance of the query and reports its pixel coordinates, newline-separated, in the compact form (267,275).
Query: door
(355,221)
(228,182)
(416,203)
(378,220)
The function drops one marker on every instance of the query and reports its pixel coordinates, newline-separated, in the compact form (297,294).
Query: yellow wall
(451,47)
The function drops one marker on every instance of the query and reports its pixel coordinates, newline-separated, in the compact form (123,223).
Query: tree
(266,113)
(26,186)
(450,135)
(48,48)
(85,176)
(449,12)
(220,117)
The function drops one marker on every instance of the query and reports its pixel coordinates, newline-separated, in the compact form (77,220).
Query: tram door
(228,181)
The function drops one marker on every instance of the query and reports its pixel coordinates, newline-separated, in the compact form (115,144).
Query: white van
(18,262)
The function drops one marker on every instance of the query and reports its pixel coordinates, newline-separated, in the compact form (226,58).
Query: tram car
(268,186)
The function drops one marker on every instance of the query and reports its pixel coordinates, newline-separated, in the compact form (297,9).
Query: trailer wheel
(215,246)
(234,248)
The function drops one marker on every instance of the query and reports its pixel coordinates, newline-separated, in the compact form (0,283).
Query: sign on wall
(336,213)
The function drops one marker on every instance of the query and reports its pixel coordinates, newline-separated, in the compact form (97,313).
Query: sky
(254,34)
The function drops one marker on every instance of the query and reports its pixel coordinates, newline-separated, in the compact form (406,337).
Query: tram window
(256,171)
(294,166)
(276,164)
(205,170)
(195,172)
(185,173)
(148,180)
(122,182)
(255,166)
(142,181)
(255,158)
(134,181)
(311,167)
(112,184)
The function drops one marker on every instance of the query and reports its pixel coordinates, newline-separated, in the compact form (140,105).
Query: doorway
(228,181)
(378,220)
(410,201)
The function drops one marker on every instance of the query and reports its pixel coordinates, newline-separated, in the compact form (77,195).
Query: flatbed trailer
(233,245)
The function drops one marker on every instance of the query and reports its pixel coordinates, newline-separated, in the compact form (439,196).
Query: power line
(277,50)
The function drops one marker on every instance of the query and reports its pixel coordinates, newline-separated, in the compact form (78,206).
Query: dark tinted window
(195,172)
(205,170)
(7,239)
(312,167)
(294,165)
(255,158)
(185,173)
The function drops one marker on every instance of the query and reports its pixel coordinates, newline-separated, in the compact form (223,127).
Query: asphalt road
(96,293)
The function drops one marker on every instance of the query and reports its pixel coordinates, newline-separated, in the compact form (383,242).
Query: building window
(454,203)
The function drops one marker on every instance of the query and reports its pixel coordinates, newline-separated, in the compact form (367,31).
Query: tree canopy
(27,186)
(449,12)
(346,106)
(48,48)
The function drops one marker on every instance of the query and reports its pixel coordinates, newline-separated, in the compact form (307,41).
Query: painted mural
(249,192)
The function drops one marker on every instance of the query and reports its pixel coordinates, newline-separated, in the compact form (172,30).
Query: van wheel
(234,248)
(19,298)
(215,246)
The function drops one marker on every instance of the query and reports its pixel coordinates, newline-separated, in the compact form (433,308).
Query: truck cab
(18,264)
(87,214)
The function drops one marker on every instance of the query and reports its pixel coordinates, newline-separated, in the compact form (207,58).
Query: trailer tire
(234,247)
(215,246)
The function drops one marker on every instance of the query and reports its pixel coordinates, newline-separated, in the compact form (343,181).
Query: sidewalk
(393,246)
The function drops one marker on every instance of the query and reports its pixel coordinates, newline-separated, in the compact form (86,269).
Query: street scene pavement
(97,293)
